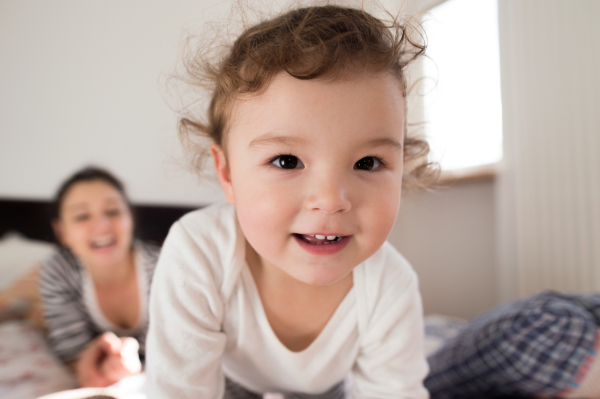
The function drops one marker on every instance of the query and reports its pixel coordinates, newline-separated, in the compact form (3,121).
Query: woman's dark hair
(86,175)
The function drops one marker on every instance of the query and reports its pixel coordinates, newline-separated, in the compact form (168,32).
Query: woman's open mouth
(103,242)
(322,244)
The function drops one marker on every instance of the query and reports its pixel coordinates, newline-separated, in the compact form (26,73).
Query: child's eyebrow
(290,140)
(384,142)
(268,138)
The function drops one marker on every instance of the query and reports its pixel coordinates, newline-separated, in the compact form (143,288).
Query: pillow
(17,256)
(541,346)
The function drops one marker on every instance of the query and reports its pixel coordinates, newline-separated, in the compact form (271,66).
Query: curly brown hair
(318,42)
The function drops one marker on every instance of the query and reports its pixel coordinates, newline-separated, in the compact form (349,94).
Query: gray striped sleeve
(69,326)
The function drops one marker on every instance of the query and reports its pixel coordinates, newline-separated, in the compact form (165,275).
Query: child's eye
(287,162)
(368,163)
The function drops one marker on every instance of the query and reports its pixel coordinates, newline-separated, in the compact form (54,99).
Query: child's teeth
(319,237)
(331,238)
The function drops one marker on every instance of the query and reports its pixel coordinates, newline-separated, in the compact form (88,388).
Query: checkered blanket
(540,346)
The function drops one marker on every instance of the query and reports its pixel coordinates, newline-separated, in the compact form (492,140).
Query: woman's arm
(69,329)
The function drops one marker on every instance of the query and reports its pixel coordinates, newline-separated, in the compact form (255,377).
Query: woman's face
(95,223)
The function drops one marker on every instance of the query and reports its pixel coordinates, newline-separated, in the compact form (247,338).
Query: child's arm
(185,339)
(392,363)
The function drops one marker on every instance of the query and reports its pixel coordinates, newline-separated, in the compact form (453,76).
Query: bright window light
(463,110)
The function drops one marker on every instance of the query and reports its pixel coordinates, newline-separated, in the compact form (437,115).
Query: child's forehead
(286,89)
(372,102)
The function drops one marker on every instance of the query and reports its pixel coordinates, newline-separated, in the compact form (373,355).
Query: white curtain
(549,190)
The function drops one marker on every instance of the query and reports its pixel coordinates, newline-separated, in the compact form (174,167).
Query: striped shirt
(71,310)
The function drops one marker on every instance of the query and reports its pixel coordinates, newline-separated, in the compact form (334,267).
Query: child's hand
(107,360)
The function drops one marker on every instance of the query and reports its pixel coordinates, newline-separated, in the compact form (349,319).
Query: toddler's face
(315,171)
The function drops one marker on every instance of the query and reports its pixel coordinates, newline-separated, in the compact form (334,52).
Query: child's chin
(320,278)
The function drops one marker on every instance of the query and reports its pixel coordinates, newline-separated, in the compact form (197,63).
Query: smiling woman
(95,289)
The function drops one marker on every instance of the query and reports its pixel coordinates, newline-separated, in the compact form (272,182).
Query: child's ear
(223,172)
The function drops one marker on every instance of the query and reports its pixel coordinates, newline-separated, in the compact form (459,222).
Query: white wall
(80,84)
(449,237)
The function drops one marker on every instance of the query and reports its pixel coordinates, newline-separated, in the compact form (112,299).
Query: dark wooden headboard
(31,218)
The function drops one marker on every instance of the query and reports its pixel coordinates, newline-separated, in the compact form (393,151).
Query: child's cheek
(379,212)
(266,218)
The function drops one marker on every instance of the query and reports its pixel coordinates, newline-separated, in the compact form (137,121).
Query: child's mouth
(317,239)
(322,244)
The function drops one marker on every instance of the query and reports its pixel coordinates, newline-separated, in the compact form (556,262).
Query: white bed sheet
(28,369)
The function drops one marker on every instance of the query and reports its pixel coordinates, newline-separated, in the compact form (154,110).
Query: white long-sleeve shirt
(207,321)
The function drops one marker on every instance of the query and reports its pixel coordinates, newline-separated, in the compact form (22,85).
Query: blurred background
(509,98)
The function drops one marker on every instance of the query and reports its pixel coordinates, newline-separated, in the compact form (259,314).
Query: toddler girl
(290,286)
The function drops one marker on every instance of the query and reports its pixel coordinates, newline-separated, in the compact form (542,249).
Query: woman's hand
(107,360)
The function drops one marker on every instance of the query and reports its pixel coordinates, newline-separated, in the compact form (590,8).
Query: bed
(459,353)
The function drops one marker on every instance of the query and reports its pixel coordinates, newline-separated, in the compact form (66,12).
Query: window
(462,104)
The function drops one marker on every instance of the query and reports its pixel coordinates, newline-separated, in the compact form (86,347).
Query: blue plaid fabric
(532,347)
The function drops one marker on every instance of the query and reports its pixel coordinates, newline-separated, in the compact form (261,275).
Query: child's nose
(329,194)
